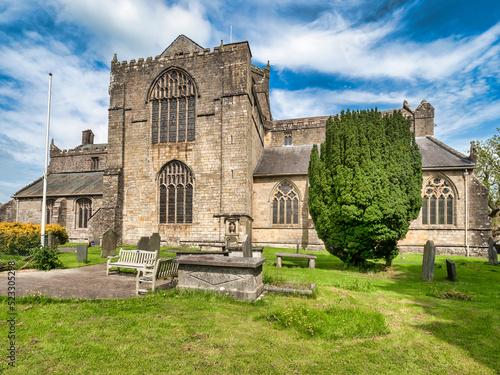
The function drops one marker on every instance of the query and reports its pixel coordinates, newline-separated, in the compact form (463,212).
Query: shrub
(45,258)
(18,238)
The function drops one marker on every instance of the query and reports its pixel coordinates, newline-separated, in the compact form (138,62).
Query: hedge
(16,238)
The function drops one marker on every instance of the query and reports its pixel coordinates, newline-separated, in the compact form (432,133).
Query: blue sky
(325,56)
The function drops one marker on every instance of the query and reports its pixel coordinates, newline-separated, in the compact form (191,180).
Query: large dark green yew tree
(365,185)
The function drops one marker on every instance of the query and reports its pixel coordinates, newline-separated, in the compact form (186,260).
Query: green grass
(385,322)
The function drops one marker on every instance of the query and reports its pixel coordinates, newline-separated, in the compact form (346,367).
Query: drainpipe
(466,214)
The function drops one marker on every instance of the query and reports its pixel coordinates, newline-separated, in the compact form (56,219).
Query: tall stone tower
(186,130)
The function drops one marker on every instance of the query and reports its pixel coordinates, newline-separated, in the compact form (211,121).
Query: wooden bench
(133,259)
(310,258)
(163,268)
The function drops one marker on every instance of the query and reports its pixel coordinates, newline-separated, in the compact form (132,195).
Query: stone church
(194,154)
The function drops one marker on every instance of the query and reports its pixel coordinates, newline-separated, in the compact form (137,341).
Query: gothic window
(285,205)
(437,203)
(95,163)
(83,212)
(49,210)
(176,194)
(173,108)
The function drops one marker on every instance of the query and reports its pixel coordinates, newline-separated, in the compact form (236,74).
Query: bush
(18,238)
(45,258)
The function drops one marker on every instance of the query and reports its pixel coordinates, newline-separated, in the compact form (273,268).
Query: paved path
(83,282)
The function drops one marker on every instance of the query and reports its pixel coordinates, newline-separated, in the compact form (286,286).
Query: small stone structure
(109,239)
(428,262)
(240,277)
(452,271)
(492,252)
(82,252)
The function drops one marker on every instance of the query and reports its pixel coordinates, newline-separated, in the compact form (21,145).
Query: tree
(487,155)
(365,185)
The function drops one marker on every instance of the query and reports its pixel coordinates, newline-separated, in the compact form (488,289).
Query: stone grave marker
(428,261)
(81,253)
(143,244)
(298,246)
(247,246)
(452,271)
(492,252)
(109,240)
(154,242)
(52,241)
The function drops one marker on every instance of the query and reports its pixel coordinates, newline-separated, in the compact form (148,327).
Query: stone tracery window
(84,212)
(173,108)
(176,194)
(437,202)
(285,205)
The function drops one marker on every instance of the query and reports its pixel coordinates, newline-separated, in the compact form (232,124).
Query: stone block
(81,253)
(239,277)
(109,240)
(428,261)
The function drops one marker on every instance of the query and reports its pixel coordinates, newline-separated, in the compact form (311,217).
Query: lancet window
(285,205)
(176,194)
(84,212)
(438,203)
(173,108)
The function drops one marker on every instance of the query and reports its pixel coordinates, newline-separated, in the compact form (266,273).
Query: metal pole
(466,216)
(44,203)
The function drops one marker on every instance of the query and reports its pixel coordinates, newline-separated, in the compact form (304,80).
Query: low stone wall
(479,252)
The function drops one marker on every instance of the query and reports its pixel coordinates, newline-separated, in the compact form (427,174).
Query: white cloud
(135,28)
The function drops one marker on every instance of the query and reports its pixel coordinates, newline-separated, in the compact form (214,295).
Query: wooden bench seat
(163,268)
(311,258)
(133,259)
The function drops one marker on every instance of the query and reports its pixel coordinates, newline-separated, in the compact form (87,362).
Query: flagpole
(44,199)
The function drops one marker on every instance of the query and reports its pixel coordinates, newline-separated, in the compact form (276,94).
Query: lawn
(385,322)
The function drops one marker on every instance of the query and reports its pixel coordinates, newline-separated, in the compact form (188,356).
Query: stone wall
(8,211)
(227,146)
(265,233)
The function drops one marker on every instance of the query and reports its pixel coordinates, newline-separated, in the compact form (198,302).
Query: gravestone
(143,244)
(452,271)
(81,253)
(154,242)
(109,239)
(492,252)
(298,246)
(247,246)
(52,241)
(428,262)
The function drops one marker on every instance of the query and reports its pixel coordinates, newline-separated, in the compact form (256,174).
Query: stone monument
(492,252)
(81,253)
(452,271)
(154,242)
(143,244)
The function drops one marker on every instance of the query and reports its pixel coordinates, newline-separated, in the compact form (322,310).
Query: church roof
(284,160)
(437,155)
(293,160)
(65,184)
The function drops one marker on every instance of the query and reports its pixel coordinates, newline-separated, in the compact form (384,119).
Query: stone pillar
(428,261)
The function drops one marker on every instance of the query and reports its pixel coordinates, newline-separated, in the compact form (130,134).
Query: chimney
(87,137)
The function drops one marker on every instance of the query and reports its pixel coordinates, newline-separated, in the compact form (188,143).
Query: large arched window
(83,212)
(437,202)
(285,205)
(176,194)
(173,108)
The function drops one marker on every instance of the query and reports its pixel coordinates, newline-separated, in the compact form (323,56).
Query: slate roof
(437,155)
(293,160)
(65,184)
(285,160)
